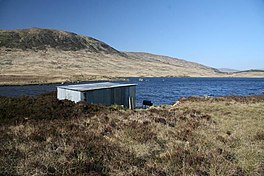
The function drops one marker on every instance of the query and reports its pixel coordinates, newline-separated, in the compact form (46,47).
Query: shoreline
(62,83)
(117,79)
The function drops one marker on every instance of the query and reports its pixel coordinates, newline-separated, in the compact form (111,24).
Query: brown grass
(52,65)
(239,127)
(194,137)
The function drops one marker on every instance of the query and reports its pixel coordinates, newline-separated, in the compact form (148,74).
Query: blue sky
(216,33)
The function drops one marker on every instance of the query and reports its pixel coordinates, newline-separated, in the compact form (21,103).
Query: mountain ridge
(40,39)
(33,56)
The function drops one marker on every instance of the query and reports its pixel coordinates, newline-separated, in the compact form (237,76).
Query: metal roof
(94,86)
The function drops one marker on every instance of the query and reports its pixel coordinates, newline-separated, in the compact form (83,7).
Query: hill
(227,70)
(33,56)
(41,39)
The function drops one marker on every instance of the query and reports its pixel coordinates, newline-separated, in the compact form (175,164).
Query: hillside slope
(227,70)
(44,56)
(182,67)
(41,39)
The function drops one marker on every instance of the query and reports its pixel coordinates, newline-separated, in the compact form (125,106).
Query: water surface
(165,90)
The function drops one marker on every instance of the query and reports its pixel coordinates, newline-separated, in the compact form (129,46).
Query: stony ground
(196,136)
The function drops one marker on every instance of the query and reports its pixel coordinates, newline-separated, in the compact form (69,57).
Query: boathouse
(105,93)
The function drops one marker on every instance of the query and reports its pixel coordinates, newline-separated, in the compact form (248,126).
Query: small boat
(141,79)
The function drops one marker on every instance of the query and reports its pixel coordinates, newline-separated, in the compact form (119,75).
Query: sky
(216,33)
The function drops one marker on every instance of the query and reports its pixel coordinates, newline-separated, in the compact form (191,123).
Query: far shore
(24,81)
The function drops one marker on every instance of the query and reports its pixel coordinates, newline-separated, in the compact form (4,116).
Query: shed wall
(75,96)
(132,97)
(119,95)
(102,96)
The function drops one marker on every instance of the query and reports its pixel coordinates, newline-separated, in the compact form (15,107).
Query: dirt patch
(259,135)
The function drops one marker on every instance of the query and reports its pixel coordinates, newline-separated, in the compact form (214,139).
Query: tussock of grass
(194,137)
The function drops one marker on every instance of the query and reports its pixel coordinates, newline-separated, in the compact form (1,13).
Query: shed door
(118,96)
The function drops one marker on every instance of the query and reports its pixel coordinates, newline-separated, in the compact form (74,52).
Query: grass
(239,128)
(196,136)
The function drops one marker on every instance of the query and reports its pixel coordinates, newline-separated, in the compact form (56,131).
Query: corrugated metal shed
(95,86)
(105,93)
